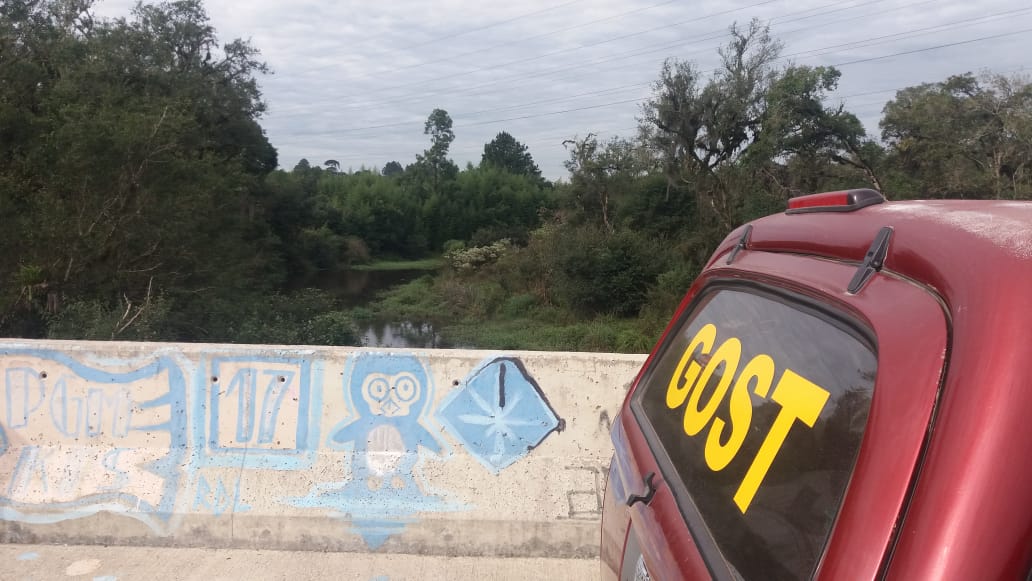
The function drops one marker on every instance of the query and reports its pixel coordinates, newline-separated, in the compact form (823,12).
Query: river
(356,288)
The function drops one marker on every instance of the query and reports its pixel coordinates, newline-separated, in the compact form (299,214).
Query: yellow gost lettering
(801,400)
(677,392)
(718,455)
(695,419)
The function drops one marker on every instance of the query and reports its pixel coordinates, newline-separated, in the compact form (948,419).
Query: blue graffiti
(218,500)
(262,412)
(390,395)
(81,402)
(500,414)
(110,462)
(24,393)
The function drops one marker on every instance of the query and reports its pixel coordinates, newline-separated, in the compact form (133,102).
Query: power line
(520,41)
(653,49)
(470,91)
(931,48)
(496,24)
(556,52)
(549,114)
(542,140)
(694,40)
(915,32)
(452,35)
(536,36)
(867,42)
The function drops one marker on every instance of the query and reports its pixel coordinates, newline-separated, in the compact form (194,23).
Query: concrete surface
(93,563)
(428,452)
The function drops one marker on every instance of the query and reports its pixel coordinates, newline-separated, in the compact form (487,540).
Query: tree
(703,129)
(798,127)
(392,169)
(505,152)
(133,166)
(434,162)
(965,137)
(601,172)
(332,165)
(752,135)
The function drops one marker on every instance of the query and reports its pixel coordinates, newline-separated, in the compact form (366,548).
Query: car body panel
(959,483)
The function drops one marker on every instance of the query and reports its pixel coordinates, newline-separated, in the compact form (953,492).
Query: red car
(844,393)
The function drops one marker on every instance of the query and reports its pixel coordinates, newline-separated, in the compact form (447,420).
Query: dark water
(358,288)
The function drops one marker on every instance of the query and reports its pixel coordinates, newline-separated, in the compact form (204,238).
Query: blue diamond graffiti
(388,435)
(65,429)
(500,414)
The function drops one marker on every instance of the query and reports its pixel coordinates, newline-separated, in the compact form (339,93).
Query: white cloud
(342,66)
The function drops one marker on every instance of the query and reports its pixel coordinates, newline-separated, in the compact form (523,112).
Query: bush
(307,316)
(601,273)
(94,321)
(322,247)
(415,301)
(531,270)
(488,235)
(487,298)
(470,259)
(362,314)
(518,306)
(333,328)
(453,246)
(635,341)
(599,335)
(356,251)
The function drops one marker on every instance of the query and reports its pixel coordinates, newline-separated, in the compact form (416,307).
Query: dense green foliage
(141,198)
(638,218)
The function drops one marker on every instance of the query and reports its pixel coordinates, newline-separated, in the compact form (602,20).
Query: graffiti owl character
(390,394)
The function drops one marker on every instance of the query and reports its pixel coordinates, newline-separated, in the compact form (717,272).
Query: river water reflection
(358,288)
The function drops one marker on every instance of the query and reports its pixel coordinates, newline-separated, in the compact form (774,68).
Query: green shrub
(599,335)
(521,305)
(415,301)
(487,296)
(453,246)
(634,341)
(332,328)
(603,273)
(95,321)
(362,314)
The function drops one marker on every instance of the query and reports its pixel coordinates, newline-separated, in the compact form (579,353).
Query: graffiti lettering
(259,406)
(218,500)
(98,410)
(64,426)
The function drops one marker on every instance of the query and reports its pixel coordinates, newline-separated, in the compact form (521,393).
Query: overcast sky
(355,81)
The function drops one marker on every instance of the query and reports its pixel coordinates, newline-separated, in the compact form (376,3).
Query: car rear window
(755,409)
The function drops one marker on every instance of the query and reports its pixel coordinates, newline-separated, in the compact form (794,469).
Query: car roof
(966,250)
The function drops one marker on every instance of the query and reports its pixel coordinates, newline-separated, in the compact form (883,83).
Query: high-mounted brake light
(844,201)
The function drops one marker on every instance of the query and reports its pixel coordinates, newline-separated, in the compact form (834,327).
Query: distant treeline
(140,199)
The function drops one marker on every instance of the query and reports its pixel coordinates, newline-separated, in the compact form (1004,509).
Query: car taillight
(843,201)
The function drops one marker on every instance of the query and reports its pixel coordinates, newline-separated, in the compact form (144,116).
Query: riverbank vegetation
(142,200)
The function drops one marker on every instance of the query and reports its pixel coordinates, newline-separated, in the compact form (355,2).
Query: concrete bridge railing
(433,452)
